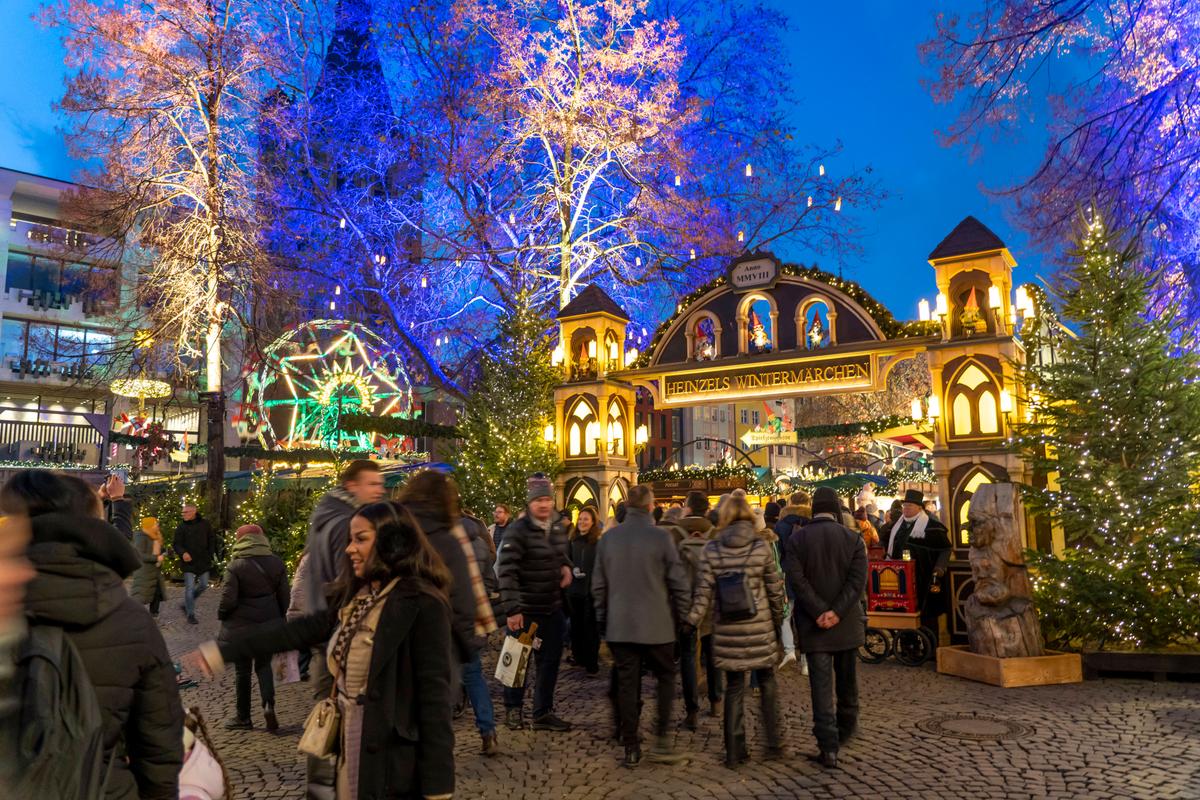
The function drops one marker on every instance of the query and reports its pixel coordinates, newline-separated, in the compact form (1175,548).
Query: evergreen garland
(395,426)
(1113,438)
(509,404)
(862,428)
(891,327)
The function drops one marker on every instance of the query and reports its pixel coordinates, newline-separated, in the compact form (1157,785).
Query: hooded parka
(81,563)
(753,643)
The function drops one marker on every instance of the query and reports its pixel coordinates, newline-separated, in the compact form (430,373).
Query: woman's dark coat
(81,565)
(436,527)
(583,555)
(255,590)
(408,731)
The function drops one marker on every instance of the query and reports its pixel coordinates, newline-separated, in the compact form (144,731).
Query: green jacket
(148,576)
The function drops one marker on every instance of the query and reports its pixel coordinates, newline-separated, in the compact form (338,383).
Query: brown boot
(491,745)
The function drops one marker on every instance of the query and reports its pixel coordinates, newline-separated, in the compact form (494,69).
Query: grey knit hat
(537,486)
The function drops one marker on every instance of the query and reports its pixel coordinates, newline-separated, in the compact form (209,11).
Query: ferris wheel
(320,371)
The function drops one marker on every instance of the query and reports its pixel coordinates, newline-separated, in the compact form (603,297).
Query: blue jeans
(193,586)
(551,628)
(478,694)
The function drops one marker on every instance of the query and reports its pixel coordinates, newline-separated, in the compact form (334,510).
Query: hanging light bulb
(923,310)
(749,171)
(337,291)
(678,180)
(821,169)
(741,236)
(810,201)
(637,262)
(512,218)
(342,223)
(693,255)
(424,282)
(631,356)
(382,260)
(837,206)
(332,306)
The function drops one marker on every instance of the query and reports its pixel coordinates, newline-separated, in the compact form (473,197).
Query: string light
(749,171)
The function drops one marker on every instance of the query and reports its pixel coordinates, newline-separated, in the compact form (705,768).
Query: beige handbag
(324,723)
(321,729)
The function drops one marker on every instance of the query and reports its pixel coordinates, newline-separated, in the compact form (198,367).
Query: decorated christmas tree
(1113,436)
(509,405)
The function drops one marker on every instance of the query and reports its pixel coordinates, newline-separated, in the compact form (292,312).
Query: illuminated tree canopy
(1124,101)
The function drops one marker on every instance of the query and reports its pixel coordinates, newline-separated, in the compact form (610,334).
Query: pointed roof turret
(592,300)
(968,238)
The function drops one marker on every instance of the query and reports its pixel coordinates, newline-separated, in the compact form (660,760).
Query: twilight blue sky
(857,76)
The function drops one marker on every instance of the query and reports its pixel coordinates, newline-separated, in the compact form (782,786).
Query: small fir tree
(1113,436)
(282,509)
(510,403)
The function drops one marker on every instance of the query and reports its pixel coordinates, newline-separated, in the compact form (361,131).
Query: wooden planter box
(1127,664)
(1045,670)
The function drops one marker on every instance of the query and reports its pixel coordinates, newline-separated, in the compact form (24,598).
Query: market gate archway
(770,330)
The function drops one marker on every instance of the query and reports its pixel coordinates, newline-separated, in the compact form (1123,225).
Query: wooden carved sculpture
(1001,620)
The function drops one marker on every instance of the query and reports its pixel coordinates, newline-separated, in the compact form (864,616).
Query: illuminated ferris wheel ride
(320,371)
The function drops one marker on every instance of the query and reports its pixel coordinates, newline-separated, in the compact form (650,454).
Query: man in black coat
(533,568)
(928,541)
(255,592)
(826,567)
(195,544)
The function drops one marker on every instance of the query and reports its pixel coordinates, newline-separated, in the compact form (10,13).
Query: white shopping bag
(513,662)
(286,667)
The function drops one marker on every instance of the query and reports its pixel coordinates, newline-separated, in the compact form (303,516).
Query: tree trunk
(215,493)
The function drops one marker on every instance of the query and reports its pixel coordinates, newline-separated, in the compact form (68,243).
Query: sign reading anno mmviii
(756,273)
(761,380)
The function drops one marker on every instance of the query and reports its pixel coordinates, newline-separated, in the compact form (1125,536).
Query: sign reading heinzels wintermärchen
(767,379)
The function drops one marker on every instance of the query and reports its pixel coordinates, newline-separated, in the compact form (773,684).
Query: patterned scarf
(363,604)
(485,621)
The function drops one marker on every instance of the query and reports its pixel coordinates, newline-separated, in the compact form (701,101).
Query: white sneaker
(788,658)
(804,667)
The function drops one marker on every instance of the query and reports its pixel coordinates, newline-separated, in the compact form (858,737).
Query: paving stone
(1100,739)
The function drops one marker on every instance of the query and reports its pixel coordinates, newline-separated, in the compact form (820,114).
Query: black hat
(914,496)
(771,512)
(826,501)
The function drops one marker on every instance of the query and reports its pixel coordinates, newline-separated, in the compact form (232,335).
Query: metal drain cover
(973,727)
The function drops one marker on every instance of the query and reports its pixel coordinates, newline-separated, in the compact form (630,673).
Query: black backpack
(61,722)
(735,598)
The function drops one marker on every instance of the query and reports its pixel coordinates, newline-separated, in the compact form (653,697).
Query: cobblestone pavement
(1100,739)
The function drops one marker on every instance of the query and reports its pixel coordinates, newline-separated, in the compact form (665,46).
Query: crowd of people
(392,608)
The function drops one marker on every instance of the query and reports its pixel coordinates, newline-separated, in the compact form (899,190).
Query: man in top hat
(927,539)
